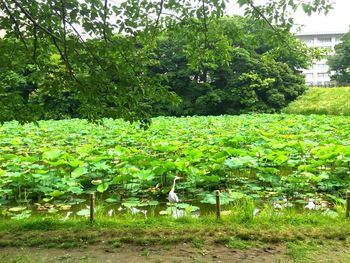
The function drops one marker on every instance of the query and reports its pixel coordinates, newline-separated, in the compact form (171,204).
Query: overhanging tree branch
(161,5)
(105,20)
(8,11)
(30,17)
(260,14)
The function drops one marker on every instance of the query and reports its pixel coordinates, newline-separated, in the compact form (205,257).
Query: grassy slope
(335,101)
(302,234)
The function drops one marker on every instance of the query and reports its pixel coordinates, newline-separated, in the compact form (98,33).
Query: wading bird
(172,197)
(134,211)
(68,215)
(110,212)
(311,205)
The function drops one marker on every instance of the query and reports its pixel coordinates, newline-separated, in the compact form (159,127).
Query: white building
(318,74)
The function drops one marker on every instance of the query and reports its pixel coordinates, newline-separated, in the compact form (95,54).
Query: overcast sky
(337,19)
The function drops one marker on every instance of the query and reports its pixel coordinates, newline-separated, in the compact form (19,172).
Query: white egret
(135,211)
(144,212)
(311,205)
(68,215)
(172,197)
(276,206)
(110,212)
(286,203)
(179,213)
(256,211)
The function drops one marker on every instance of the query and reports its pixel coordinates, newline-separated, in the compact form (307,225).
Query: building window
(309,75)
(324,39)
(309,40)
(322,75)
(322,67)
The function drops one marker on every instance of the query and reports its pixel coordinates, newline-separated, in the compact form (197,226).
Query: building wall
(318,73)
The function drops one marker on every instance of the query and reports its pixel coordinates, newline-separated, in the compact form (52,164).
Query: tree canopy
(97,53)
(340,62)
(259,73)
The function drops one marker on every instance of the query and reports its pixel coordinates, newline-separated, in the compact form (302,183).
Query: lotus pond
(53,166)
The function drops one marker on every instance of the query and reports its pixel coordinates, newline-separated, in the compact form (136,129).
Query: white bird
(256,211)
(68,214)
(277,206)
(310,205)
(144,212)
(172,197)
(110,212)
(134,210)
(286,204)
(179,213)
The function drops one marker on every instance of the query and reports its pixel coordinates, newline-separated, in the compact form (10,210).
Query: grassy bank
(295,235)
(334,101)
(268,227)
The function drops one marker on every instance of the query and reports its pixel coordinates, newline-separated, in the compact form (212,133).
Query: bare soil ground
(183,252)
(175,253)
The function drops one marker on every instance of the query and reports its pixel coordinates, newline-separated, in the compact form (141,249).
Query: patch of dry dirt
(128,253)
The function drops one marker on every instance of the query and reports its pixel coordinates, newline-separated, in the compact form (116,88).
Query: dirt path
(179,253)
(125,249)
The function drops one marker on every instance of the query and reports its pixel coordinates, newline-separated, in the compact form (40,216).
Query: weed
(238,244)
(198,242)
(145,253)
(302,250)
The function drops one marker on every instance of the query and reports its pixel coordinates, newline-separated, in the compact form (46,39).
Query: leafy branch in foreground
(104,76)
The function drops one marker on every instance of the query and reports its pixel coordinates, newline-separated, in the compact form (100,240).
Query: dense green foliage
(70,58)
(265,157)
(340,62)
(334,101)
(259,73)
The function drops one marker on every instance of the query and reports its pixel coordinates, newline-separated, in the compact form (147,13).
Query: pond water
(77,207)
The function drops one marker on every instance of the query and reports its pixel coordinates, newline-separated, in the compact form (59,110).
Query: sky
(337,19)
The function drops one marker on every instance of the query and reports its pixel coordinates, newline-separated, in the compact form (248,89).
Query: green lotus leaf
(84,212)
(113,199)
(75,163)
(96,182)
(237,195)
(23,215)
(56,193)
(17,208)
(79,171)
(103,187)
(47,199)
(75,190)
(52,210)
(52,155)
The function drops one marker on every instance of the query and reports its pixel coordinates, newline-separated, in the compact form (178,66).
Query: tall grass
(332,101)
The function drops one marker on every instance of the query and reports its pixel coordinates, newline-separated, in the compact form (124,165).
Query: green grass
(332,101)
(234,230)
(300,236)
